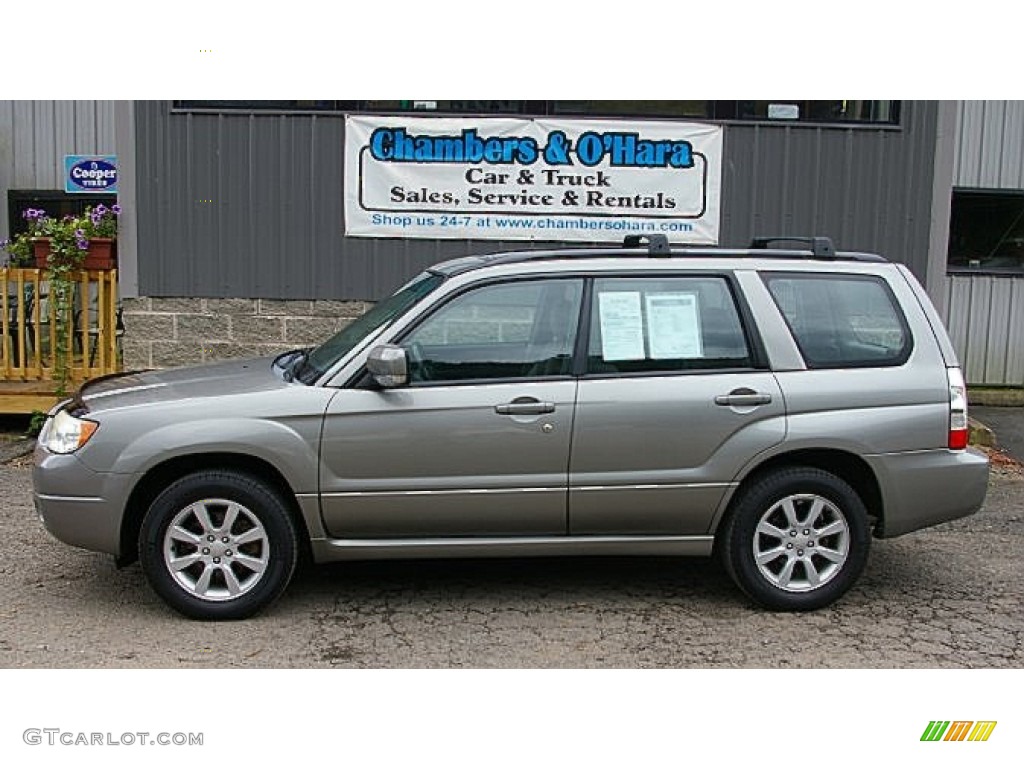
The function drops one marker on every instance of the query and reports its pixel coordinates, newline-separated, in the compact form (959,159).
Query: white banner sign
(531,179)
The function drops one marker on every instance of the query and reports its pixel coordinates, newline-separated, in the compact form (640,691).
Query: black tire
(806,573)
(255,552)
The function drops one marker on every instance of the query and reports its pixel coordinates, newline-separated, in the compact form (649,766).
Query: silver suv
(777,408)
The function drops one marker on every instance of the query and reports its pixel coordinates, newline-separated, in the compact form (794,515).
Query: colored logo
(958,730)
(90,174)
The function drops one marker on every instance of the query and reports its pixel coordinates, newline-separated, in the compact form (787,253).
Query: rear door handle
(743,396)
(524,406)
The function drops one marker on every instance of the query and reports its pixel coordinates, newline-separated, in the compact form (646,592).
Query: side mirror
(388,365)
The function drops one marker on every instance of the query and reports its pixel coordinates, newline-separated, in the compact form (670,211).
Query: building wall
(35,136)
(985,313)
(243,205)
(250,206)
(164,332)
(868,189)
(990,145)
(986,326)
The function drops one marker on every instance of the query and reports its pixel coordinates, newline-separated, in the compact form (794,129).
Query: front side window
(652,324)
(502,331)
(842,321)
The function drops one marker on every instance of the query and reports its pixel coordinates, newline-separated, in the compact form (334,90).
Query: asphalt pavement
(945,597)
(1007,422)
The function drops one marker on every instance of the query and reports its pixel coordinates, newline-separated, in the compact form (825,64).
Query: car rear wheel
(796,539)
(218,545)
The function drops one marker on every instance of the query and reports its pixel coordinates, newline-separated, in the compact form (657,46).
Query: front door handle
(524,406)
(743,396)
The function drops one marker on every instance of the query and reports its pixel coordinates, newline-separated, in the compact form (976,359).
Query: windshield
(320,359)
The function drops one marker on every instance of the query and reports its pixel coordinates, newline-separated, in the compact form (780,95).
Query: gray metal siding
(274,226)
(868,189)
(985,313)
(35,136)
(990,145)
(985,316)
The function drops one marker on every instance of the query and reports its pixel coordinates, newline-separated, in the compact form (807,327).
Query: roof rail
(657,245)
(821,247)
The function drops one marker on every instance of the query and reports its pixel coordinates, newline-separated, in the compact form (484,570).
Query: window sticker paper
(622,330)
(673,326)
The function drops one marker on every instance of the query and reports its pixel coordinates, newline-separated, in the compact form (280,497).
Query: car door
(676,398)
(478,443)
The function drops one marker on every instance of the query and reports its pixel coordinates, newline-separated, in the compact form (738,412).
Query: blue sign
(90,174)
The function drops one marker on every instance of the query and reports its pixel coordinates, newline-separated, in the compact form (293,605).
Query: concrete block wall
(168,332)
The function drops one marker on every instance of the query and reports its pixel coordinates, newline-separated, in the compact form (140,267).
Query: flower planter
(102,253)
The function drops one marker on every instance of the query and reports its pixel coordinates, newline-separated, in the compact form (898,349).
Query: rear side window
(842,321)
(654,324)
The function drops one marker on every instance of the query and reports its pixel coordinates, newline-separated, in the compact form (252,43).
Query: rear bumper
(925,488)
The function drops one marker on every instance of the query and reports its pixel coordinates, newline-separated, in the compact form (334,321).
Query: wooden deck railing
(29,327)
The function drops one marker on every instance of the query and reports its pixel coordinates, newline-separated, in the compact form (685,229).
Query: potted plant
(88,241)
(19,249)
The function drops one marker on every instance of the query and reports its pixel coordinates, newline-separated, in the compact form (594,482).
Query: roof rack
(821,247)
(657,245)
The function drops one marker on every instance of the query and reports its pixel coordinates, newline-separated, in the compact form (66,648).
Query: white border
(538,50)
(477,719)
(532,49)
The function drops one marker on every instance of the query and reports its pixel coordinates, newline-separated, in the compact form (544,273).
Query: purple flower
(79,233)
(83,245)
(116,209)
(100,209)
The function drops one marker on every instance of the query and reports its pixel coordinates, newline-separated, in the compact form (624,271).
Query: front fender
(292,447)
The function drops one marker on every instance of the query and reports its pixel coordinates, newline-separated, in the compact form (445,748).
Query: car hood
(234,377)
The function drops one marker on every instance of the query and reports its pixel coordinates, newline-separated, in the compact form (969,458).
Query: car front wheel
(796,539)
(218,545)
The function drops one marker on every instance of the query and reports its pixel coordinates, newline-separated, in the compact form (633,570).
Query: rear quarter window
(842,321)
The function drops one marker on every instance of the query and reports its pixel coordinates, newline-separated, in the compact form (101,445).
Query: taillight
(957,409)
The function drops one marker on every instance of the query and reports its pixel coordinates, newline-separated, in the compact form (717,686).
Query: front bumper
(925,488)
(78,505)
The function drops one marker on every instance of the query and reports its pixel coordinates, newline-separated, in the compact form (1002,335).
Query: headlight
(66,433)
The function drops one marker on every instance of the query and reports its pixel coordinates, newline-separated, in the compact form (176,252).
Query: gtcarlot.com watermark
(54,737)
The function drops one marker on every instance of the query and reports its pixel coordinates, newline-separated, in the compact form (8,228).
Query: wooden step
(27,396)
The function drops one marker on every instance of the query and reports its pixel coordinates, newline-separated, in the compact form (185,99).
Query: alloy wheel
(216,549)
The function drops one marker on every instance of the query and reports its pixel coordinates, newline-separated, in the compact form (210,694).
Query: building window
(839,111)
(986,231)
(671,109)
(496,107)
